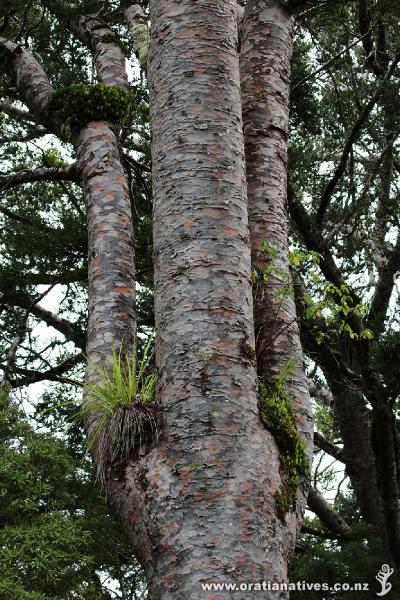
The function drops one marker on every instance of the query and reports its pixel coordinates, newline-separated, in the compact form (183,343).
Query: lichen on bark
(279,418)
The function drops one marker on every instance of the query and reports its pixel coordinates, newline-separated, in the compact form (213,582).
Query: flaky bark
(200,505)
(111,320)
(30,81)
(265,69)
(111,275)
(101,40)
(111,254)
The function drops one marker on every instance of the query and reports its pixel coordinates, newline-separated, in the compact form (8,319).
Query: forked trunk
(200,506)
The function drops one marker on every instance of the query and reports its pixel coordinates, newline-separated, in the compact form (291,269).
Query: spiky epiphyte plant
(119,409)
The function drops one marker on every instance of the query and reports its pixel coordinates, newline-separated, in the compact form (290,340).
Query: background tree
(344,253)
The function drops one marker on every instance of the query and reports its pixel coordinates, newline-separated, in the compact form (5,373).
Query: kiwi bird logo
(383,575)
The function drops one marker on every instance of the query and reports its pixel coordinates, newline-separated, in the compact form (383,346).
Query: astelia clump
(278,416)
(80,103)
(119,408)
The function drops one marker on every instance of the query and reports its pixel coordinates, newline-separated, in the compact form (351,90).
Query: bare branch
(17,341)
(71,331)
(383,291)
(56,373)
(30,81)
(12,111)
(328,447)
(10,180)
(320,392)
(22,138)
(327,64)
(327,515)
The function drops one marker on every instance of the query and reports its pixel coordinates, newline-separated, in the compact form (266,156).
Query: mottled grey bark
(111,276)
(110,231)
(266,51)
(101,40)
(30,80)
(139,30)
(199,505)
(200,502)
(111,253)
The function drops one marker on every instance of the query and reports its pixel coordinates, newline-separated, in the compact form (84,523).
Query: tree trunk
(357,449)
(111,253)
(266,50)
(200,505)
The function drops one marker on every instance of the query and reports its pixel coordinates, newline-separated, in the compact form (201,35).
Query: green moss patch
(278,416)
(80,103)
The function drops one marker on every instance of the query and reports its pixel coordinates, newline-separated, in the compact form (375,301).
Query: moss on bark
(80,103)
(278,416)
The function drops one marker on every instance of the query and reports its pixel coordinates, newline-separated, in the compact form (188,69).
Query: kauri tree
(267,132)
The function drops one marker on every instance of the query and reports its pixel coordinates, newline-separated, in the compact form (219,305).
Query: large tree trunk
(200,506)
(266,50)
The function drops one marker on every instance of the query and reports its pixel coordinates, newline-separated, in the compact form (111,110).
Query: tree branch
(27,136)
(364,21)
(320,392)
(355,130)
(328,447)
(328,63)
(315,241)
(70,330)
(327,515)
(17,341)
(31,82)
(383,291)
(10,180)
(139,30)
(12,111)
(54,374)
(99,38)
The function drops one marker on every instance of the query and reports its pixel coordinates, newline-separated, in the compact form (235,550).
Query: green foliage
(123,381)
(80,103)
(119,408)
(56,536)
(358,560)
(324,420)
(278,416)
(334,305)
(53,158)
